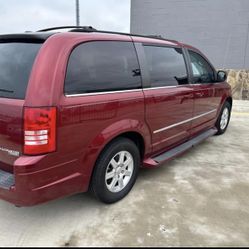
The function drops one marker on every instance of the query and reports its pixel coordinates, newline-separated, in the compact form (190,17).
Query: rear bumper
(30,197)
(28,187)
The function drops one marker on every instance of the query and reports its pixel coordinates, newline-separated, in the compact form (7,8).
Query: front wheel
(116,170)
(224,118)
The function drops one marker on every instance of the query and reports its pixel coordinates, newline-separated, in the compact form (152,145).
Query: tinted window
(102,66)
(202,71)
(166,66)
(16,61)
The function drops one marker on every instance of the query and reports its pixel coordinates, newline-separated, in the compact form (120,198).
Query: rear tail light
(39,130)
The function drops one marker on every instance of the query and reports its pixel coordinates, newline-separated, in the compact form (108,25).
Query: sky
(31,15)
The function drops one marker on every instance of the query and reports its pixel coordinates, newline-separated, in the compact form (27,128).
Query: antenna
(77,12)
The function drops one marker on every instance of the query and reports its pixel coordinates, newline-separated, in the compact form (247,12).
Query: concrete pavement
(198,199)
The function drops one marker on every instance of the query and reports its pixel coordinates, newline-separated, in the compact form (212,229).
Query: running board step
(152,162)
(7,180)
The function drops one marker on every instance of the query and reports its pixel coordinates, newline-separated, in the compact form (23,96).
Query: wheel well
(230,101)
(137,139)
(133,136)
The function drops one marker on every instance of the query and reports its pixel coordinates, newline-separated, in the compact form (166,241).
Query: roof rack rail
(91,29)
(156,36)
(159,37)
(82,28)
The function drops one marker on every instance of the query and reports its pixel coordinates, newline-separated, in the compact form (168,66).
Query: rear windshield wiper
(6,90)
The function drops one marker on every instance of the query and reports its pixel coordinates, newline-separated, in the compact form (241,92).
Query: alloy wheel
(119,171)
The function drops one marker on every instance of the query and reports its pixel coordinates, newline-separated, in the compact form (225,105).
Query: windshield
(16,61)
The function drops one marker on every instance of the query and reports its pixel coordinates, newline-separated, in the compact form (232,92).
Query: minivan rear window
(102,66)
(16,61)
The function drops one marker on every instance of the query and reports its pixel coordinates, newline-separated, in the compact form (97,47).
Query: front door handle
(188,96)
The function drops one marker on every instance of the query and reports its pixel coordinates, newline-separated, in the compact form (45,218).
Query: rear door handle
(186,97)
(199,95)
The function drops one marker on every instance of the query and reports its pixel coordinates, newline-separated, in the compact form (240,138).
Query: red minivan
(85,109)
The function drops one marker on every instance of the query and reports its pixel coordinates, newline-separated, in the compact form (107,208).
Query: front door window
(201,69)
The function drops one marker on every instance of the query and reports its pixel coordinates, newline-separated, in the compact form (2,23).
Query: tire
(111,170)
(224,119)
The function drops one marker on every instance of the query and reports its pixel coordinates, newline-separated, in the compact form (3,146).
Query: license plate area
(7,180)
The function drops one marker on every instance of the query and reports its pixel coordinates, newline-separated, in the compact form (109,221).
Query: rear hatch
(17,57)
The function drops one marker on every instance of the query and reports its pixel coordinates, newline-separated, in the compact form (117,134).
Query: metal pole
(77,13)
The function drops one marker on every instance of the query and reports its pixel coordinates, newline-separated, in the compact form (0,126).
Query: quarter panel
(88,123)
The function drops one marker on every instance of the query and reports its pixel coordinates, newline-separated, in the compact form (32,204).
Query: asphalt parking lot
(198,199)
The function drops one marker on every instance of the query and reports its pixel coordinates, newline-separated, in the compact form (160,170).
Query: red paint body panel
(11,136)
(86,124)
(165,107)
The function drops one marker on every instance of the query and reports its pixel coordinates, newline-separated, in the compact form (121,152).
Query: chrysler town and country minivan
(84,109)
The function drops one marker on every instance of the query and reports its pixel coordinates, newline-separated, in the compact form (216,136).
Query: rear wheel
(224,118)
(116,170)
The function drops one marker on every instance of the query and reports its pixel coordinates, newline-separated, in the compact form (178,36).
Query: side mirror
(221,76)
